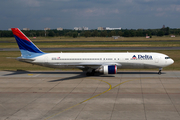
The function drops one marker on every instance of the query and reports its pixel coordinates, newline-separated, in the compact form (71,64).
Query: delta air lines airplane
(105,63)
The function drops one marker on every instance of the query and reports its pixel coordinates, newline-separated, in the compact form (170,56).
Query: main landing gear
(90,73)
(160,69)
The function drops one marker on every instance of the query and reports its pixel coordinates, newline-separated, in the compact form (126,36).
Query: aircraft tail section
(26,46)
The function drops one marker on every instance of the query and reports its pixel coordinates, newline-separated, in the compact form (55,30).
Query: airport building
(100,28)
(76,28)
(47,28)
(85,28)
(108,28)
(81,28)
(26,29)
(60,28)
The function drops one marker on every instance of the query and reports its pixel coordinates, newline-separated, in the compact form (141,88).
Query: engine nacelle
(112,69)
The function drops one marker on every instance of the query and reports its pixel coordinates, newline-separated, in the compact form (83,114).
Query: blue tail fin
(27,47)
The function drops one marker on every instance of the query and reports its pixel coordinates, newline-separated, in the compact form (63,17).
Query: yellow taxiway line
(110,87)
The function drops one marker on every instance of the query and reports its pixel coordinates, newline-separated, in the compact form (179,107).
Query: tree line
(96,33)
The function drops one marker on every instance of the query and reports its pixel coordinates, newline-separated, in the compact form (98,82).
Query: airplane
(91,63)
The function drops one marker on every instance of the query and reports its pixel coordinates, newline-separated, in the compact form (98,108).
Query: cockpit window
(167,58)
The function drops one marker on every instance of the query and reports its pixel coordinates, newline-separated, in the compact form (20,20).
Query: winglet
(26,46)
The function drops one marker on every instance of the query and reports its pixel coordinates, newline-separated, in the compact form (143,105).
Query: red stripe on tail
(19,34)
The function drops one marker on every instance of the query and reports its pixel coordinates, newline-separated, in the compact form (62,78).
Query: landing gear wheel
(93,72)
(90,73)
(159,72)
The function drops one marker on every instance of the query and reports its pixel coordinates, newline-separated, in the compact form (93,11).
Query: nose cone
(171,61)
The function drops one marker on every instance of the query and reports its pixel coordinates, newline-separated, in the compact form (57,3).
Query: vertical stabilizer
(26,46)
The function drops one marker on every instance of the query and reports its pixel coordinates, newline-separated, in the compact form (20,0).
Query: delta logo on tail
(142,57)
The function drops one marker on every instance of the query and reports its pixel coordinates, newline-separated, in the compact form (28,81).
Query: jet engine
(112,69)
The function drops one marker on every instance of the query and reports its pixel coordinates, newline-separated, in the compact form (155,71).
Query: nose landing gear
(160,69)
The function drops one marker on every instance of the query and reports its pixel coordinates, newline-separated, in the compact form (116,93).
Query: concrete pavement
(70,95)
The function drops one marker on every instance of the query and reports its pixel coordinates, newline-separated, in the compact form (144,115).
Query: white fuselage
(106,63)
(94,60)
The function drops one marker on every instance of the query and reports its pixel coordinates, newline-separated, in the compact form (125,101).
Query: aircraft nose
(172,61)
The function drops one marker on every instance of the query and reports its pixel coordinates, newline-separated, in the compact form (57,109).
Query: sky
(127,14)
